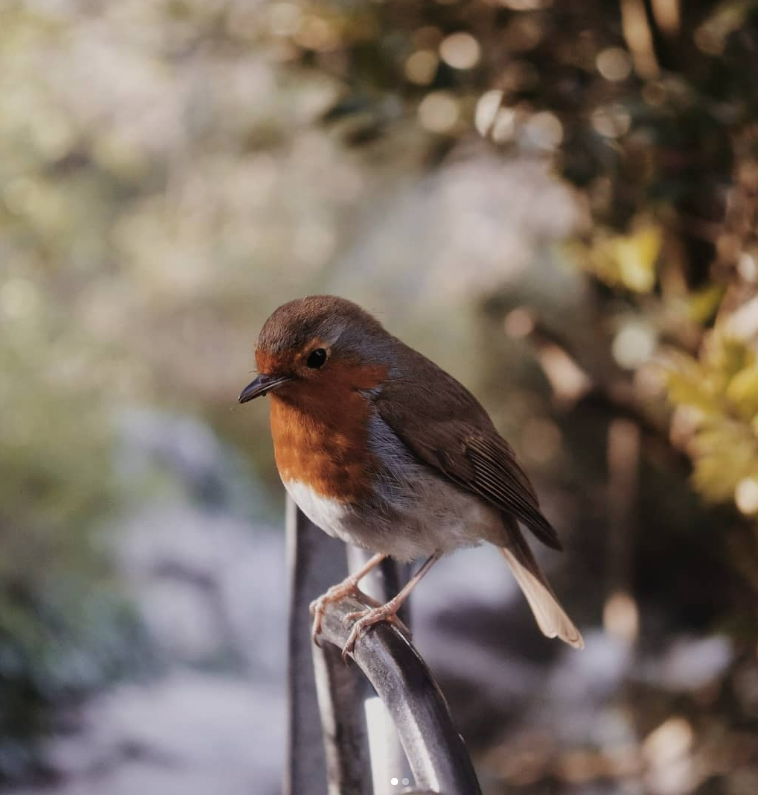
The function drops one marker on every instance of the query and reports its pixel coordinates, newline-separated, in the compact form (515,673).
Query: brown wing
(447,428)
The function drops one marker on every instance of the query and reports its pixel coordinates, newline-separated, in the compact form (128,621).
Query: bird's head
(316,346)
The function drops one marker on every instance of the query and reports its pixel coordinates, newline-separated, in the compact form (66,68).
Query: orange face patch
(271,363)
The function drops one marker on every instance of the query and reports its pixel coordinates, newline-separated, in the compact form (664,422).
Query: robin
(383,449)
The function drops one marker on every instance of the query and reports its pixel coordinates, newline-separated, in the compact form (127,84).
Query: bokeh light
(460,50)
(421,67)
(614,64)
(438,112)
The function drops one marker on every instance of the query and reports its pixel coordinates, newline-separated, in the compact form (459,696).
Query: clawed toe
(364,620)
(351,617)
(361,620)
(318,606)
(317,611)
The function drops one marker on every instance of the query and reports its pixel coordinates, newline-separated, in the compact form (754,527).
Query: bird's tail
(550,616)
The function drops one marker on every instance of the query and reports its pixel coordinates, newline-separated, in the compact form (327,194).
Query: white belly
(327,513)
(431,516)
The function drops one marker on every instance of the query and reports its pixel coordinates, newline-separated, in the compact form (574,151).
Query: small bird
(383,449)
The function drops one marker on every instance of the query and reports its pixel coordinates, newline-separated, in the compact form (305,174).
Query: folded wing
(454,434)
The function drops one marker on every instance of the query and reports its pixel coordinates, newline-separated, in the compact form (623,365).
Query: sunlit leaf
(724,456)
(627,261)
(636,256)
(742,391)
(687,391)
(702,305)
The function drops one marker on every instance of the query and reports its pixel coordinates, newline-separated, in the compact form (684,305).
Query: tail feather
(550,616)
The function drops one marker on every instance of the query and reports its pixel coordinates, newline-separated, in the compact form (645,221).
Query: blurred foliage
(62,637)
(721,392)
(64,628)
(627,261)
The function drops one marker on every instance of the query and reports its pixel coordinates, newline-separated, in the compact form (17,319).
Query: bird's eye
(316,358)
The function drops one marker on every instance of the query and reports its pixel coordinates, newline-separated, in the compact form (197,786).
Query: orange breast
(320,432)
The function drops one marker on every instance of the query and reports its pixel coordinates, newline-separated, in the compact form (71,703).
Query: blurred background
(555,201)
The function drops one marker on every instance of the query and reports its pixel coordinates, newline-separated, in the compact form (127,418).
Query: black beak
(261,385)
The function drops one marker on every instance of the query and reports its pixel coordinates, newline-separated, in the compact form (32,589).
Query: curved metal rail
(435,751)
(328,737)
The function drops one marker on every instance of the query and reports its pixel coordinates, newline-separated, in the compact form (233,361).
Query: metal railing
(379,725)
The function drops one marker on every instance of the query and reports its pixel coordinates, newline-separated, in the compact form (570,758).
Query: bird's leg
(388,612)
(348,587)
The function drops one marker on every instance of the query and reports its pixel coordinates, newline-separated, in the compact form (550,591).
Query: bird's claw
(318,606)
(365,619)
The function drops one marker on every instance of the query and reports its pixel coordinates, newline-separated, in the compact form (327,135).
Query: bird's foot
(348,587)
(364,619)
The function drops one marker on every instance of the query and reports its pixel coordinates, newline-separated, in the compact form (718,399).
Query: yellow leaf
(626,260)
(636,256)
(743,392)
(703,304)
(687,391)
(724,455)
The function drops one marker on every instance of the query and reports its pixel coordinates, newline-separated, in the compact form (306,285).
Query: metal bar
(434,749)
(315,562)
(340,692)
(388,762)
(327,735)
